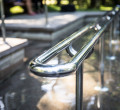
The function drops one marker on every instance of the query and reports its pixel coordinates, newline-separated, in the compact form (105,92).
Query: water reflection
(23,97)
(10,102)
(2,106)
(91,103)
(22,76)
(60,94)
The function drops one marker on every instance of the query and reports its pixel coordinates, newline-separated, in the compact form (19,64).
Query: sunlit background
(79,4)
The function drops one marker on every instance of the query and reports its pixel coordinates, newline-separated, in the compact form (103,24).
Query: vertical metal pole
(3,22)
(110,51)
(102,61)
(111,35)
(114,30)
(119,23)
(114,35)
(46,13)
(59,58)
(110,39)
(79,88)
(117,29)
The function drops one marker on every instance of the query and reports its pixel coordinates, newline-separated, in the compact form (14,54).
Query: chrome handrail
(38,67)
(71,51)
(3,21)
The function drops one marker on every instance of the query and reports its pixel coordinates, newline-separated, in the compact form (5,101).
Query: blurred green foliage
(81,5)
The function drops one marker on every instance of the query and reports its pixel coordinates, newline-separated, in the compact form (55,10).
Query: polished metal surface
(38,67)
(79,88)
(102,62)
(97,25)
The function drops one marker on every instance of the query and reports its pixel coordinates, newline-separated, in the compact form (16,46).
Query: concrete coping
(47,28)
(11,45)
(57,21)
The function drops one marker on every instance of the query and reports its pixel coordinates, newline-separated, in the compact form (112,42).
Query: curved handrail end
(52,70)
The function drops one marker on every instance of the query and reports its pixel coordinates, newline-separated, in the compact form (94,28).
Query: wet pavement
(26,91)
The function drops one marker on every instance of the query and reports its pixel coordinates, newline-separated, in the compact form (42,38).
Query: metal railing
(3,21)
(38,66)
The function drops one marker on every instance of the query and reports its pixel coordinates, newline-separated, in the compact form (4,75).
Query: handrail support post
(46,13)
(3,22)
(102,62)
(79,88)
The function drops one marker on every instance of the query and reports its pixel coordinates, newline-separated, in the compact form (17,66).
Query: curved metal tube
(71,51)
(38,67)
(62,45)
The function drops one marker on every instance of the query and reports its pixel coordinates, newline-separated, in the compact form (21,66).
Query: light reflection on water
(60,92)
(91,102)
(2,106)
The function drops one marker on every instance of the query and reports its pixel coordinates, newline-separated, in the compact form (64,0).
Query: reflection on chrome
(97,27)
